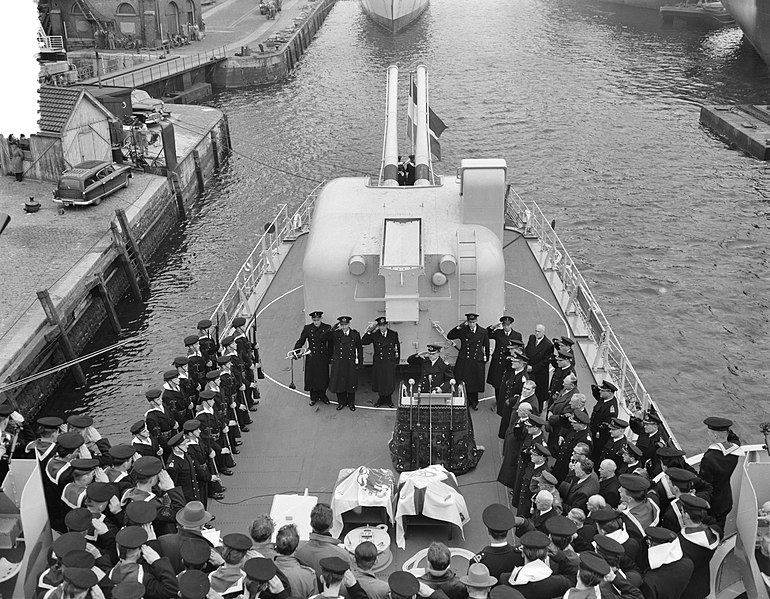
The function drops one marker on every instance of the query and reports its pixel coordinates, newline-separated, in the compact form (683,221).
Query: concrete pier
(745,126)
(74,255)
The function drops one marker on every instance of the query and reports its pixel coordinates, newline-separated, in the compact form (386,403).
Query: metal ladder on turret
(467,273)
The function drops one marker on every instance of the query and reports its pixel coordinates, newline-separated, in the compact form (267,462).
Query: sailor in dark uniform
(564,364)
(208,344)
(648,429)
(579,434)
(142,442)
(472,357)
(699,542)
(502,334)
(613,448)
(96,444)
(196,363)
(347,357)
(717,466)
(435,374)
(232,390)
(44,446)
(317,358)
(187,386)
(631,456)
(539,349)
(58,472)
(209,484)
(670,571)
(535,579)
(499,556)
(605,409)
(245,402)
(249,356)
(212,434)
(122,459)
(161,421)
(173,397)
(181,468)
(387,355)
(74,492)
(529,486)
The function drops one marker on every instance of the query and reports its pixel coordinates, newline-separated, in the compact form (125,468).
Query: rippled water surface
(595,108)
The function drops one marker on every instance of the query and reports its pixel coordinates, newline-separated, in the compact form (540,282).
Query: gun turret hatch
(401,265)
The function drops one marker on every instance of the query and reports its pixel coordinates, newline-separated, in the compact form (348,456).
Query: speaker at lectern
(433,428)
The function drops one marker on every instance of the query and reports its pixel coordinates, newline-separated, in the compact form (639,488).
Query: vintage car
(145,108)
(89,182)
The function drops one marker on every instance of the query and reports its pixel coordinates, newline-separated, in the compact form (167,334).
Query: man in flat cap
(669,571)
(228,578)
(536,578)
(208,343)
(605,409)
(317,358)
(386,356)
(699,541)
(717,466)
(472,357)
(347,357)
(539,349)
(435,373)
(140,563)
(502,334)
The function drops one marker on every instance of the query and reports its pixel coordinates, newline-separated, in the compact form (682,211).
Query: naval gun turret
(422,256)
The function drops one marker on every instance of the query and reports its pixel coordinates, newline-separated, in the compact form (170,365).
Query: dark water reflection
(595,108)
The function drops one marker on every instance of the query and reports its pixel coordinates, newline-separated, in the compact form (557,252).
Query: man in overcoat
(317,358)
(434,372)
(502,334)
(387,354)
(473,356)
(347,356)
(539,350)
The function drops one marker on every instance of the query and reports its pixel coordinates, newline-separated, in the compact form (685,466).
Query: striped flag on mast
(435,125)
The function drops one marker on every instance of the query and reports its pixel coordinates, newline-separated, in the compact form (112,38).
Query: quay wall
(272,65)
(35,343)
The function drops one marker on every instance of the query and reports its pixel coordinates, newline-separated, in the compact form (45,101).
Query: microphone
(411,385)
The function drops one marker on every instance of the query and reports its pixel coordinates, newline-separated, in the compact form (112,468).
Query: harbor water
(595,109)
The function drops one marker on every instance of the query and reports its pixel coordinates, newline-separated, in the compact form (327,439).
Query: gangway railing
(578,300)
(284,227)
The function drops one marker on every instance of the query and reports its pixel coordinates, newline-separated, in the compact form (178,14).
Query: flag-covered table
(365,492)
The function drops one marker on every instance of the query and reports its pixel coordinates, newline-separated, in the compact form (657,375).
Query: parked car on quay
(89,182)
(145,108)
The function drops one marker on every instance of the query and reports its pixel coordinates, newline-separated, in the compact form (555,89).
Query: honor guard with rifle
(435,374)
(248,352)
(472,358)
(387,355)
(233,388)
(316,358)
(222,410)
(502,334)
(174,397)
(208,344)
(347,357)
(188,386)
(238,370)
(161,421)
(212,433)
(196,363)
(181,468)
(209,484)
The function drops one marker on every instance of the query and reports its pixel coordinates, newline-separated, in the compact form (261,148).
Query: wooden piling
(129,234)
(112,314)
(214,149)
(66,346)
(198,170)
(133,282)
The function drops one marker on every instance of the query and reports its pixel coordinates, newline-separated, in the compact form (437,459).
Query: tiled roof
(56,106)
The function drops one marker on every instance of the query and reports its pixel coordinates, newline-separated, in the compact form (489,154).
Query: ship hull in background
(753,16)
(394,15)
(651,4)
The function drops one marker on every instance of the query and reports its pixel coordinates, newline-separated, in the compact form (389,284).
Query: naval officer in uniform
(502,334)
(473,356)
(317,358)
(387,355)
(347,357)
(435,374)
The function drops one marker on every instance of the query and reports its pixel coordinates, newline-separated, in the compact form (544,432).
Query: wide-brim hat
(193,514)
(478,576)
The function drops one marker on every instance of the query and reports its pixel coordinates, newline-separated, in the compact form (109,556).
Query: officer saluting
(474,353)
(502,334)
(317,358)
(435,374)
(387,355)
(347,357)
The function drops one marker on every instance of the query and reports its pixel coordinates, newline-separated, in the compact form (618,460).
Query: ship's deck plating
(292,447)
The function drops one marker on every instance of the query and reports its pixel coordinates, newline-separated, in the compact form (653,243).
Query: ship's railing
(578,300)
(260,261)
